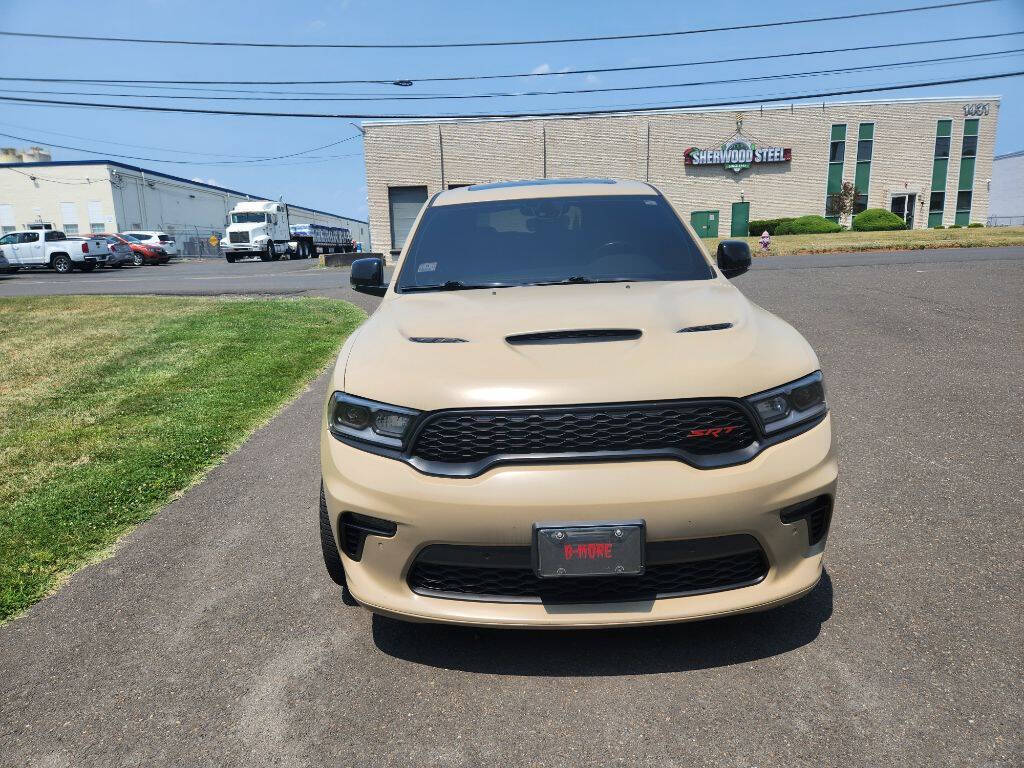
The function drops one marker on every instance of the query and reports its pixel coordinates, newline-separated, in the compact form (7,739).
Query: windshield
(131,238)
(551,240)
(248,218)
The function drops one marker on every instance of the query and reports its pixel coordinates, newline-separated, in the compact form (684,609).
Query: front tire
(137,259)
(230,258)
(332,558)
(62,264)
(269,254)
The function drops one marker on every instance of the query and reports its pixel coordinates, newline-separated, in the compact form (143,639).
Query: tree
(840,204)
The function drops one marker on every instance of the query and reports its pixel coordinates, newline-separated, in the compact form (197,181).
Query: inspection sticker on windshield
(427,266)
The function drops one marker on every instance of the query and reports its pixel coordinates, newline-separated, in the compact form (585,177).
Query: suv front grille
(238,237)
(695,427)
(505,574)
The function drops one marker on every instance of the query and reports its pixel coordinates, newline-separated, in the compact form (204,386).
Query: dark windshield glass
(577,239)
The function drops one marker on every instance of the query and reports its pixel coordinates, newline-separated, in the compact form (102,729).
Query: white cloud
(542,69)
(592,79)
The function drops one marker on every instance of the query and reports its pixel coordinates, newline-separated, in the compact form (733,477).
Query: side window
(8,239)
(29,237)
(52,236)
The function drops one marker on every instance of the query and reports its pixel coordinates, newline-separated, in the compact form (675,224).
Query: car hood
(759,351)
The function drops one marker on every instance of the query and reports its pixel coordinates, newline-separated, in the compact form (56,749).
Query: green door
(705,223)
(740,220)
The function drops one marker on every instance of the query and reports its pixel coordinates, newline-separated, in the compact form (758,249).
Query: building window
(100,227)
(940,168)
(862,178)
(965,185)
(836,152)
(5,229)
(71,229)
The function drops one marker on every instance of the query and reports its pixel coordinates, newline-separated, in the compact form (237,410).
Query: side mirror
(733,258)
(368,276)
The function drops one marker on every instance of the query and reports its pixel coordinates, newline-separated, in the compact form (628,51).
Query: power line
(570,91)
(495,43)
(486,115)
(553,73)
(178,162)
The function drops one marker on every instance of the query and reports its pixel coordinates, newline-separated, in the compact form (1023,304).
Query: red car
(143,253)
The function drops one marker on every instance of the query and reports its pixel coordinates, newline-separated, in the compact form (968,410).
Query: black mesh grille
(521,584)
(818,514)
(355,528)
(238,237)
(695,427)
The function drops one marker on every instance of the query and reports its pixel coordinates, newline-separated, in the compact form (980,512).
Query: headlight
(355,417)
(790,404)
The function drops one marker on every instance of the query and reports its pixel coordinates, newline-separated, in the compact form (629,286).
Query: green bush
(756,227)
(877,220)
(938,226)
(955,226)
(807,225)
(975,225)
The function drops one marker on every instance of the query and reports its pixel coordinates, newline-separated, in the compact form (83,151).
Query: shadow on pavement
(645,650)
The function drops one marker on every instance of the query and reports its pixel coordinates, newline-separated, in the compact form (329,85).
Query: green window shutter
(945,128)
(939,168)
(966,173)
(863,177)
(839,132)
(835,178)
(935,219)
(971,127)
(963,218)
(866,132)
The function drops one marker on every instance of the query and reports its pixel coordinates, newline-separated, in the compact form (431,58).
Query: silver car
(120,253)
(6,268)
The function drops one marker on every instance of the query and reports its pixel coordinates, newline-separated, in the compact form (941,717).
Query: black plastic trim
(358,527)
(577,336)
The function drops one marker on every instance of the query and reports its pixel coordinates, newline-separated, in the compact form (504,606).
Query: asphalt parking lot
(212,636)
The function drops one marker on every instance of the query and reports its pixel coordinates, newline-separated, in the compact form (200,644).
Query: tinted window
(836,151)
(864,150)
(29,237)
(520,242)
(8,239)
(942,146)
(164,239)
(963,201)
(937,202)
(970,146)
(52,236)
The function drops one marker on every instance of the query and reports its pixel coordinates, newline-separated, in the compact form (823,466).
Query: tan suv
(564,414)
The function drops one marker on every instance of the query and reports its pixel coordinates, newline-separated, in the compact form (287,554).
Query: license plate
(598,549)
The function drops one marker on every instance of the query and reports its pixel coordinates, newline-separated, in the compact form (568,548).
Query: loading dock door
(740,220)
(705,223)
(404,204)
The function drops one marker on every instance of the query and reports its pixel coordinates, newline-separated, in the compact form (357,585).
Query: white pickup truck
(52,248)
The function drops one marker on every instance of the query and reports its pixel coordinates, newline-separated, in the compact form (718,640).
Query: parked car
(142,253)
(51,248)
(121,252)
(101,250)
(6,268)
(157,240)
(573,419)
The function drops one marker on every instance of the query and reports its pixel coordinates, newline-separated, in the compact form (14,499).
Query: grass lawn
(839,242)
(112,405)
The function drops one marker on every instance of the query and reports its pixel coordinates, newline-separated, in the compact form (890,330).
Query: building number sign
(975,110)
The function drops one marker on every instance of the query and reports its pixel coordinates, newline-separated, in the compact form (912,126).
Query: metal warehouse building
(929,160)
(80,196)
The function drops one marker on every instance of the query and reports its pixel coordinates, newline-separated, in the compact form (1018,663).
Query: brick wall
(650,147)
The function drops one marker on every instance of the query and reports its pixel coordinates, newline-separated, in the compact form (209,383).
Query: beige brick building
(930,160)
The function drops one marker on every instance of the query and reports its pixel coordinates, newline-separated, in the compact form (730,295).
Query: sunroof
(540,183)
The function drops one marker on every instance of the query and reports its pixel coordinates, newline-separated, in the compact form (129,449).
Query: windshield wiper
(453,285)
(581,279)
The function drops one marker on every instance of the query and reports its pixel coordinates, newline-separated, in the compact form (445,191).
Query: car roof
(540,188)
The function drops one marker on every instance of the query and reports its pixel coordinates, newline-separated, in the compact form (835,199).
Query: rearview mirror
(733,257)
(368,276)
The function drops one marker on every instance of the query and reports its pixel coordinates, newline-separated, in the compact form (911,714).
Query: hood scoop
(578,336)
(436,340)
(700,328)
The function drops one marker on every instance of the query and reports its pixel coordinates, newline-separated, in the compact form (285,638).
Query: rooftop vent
(580,336)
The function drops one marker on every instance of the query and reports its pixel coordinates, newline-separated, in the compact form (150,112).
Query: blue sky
(337,182)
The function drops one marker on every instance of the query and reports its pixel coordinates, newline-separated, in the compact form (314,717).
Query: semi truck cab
(269,230)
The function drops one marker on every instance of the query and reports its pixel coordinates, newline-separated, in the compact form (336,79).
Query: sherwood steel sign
(737,154)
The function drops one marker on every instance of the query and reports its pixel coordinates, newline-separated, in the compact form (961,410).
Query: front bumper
(500,507)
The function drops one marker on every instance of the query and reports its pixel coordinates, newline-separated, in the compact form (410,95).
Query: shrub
(955,226)
(876,220)
(807,225)
(756,227)
(975,225)
(938,226)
